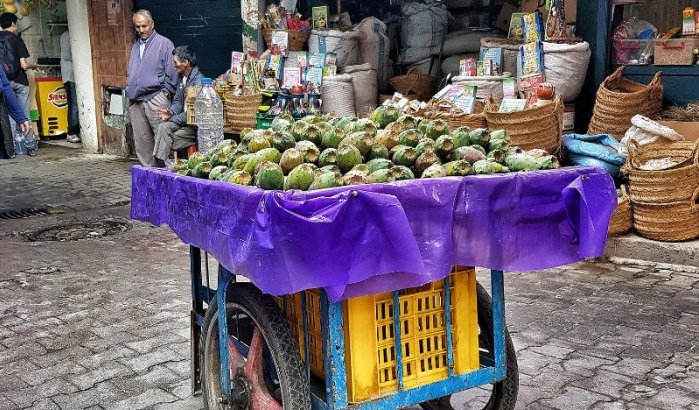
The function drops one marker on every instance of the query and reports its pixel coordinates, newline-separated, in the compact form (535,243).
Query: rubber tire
(294,383)
(504,393)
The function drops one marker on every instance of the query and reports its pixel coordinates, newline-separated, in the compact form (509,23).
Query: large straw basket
(664,186)
(619,99)
(297,39)
(241,110)
(676,221)
(454,119)
(622,219)
(540,127)
(415,84)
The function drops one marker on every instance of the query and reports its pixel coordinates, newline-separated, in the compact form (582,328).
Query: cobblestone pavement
(103,323)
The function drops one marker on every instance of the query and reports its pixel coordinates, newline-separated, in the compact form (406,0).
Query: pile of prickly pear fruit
(324,152)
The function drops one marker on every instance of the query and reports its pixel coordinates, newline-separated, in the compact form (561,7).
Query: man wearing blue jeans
(13,47)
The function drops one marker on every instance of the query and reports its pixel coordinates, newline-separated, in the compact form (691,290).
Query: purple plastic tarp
(367,239)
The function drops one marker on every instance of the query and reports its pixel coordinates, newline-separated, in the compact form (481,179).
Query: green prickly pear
(434,171)
(269,175)
(309,150)
(327,157)
(300,177)
(405,156)
(290,159)
(348,156)
(457,168)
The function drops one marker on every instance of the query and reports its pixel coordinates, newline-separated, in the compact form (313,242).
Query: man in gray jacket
(174,133)
(152,82)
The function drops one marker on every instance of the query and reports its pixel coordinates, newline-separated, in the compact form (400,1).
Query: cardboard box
(571,9)
(689,130)
(503,20)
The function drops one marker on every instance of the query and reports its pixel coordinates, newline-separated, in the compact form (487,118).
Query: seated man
(174,133)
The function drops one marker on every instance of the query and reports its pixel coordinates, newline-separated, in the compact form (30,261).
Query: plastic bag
(644,131)
(594,150)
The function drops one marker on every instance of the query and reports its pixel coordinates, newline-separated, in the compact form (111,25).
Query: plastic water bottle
(208,111)
(20,144)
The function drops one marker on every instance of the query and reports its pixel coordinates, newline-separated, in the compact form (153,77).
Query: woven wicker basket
(665,186)
(297,39)
(454,119)
(540,127)
(622,219)
(415,84)
(676,221)
(619,99)
(241,110)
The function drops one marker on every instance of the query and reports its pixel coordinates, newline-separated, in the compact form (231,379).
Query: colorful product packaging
(533,27)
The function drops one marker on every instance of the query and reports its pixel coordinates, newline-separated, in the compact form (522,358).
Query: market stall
(326,212)
(653,55)
(369,239)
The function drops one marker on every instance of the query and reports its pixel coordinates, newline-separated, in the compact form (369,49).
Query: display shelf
(53,25)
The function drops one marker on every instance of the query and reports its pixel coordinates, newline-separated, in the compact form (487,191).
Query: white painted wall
(82,69)
(41,39)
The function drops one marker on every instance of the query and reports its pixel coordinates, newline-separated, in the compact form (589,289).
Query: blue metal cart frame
(334,345)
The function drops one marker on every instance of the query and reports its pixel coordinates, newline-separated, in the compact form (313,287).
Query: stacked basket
(241,110)
(666,201)
(618,100)
(622,219)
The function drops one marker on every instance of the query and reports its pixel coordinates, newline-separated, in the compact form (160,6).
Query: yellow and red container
(53,106)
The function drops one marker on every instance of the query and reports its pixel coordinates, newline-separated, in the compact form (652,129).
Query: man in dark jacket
(174,133)
(152,82)
(10,104)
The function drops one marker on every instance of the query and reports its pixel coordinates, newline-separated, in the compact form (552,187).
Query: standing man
(152,82)
(14,55)
(174,133)
(69,84)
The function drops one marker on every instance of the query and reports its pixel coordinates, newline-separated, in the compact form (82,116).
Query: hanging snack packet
(533,27)
(532,58)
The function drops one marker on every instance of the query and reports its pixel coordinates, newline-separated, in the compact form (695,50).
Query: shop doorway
(212,27)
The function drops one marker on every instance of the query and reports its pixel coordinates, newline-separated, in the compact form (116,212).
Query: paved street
(103,323)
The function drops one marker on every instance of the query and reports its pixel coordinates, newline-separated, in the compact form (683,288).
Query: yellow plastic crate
(371,361)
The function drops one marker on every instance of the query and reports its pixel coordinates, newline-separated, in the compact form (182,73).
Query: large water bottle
(208,111)
(20,144)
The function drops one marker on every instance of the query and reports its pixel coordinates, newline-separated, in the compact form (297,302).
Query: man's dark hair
(185,53)
(6,20)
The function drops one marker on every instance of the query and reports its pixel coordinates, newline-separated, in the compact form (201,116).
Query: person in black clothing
(12,47)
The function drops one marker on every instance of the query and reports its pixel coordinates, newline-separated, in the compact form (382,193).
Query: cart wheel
(266,370)
(503,395)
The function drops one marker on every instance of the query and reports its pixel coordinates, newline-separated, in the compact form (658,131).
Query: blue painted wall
(212,27)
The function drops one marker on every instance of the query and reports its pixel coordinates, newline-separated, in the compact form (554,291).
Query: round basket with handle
(454,118)
(415,83)
(297,39)
(619,99)
(539,127)
(673,184)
